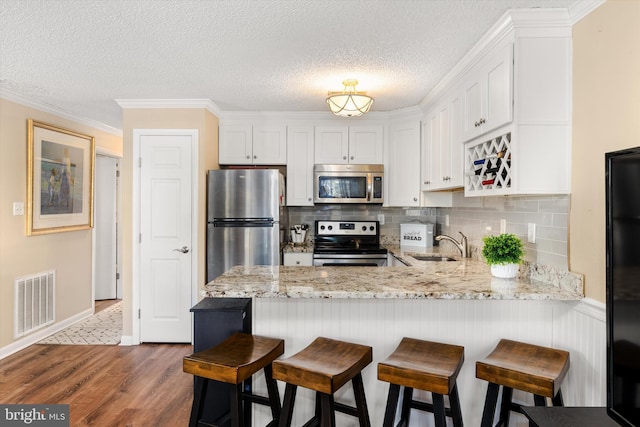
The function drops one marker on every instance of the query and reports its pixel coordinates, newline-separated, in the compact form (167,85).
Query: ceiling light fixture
(349,102)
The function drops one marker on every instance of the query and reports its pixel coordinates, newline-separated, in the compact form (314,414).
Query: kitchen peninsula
(456,302)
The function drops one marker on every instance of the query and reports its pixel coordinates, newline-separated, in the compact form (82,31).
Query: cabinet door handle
(248,157)
(344,157)
(482,121)
(255,157)
(352,157)
(297,262)
(415,199)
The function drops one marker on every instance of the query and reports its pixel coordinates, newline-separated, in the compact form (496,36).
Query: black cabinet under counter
(214,320)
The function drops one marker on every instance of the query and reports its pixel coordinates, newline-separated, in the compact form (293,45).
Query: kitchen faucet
(461,245)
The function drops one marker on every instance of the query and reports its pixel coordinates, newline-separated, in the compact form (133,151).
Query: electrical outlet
(18,208)
(531,232)
(446,220)
(503,226)
(381,219)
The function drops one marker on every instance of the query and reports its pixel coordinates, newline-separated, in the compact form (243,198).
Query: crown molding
(510,20)
(302,115)
(582,8)
(203,103)
(41,106)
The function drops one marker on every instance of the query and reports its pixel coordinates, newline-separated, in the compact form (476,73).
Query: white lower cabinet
(298,259)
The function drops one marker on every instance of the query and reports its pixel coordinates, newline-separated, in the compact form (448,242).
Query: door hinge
(117,276)
(117,174)
(139,162)
(139,314)
(140,238)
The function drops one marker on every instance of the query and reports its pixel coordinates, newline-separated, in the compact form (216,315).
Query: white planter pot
(504,271)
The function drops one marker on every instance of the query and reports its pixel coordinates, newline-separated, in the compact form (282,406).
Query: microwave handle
(369,187)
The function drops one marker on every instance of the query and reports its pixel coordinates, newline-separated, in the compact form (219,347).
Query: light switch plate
(503,226)
(381,219)
(531,232)
(18,208)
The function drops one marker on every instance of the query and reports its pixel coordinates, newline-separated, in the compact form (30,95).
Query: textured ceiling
(244,55)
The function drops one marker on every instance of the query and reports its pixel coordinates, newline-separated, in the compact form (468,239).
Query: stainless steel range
(348,243)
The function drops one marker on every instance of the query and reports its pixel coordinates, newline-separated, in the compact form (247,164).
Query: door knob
(183,249)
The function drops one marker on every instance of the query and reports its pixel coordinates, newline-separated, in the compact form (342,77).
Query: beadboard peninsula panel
(477,325)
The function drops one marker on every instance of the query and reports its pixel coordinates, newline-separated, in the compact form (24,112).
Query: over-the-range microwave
(348,183)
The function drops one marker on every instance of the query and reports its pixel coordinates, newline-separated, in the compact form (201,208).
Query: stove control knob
(322,227)
(364,228)
(372,228)
(330,227)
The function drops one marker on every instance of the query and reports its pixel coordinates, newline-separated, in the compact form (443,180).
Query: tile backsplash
(476,217)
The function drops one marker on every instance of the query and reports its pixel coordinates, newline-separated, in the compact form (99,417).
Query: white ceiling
(78,56)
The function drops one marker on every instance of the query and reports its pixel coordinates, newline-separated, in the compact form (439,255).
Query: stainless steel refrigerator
(244,213)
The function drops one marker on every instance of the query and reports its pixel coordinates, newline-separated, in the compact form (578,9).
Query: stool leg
(392,405)
(272,391)
(539,400)
(557,399)
(327,410)
(287,406)
(237,415)
(361,401)
(407,396)
(438,409)
(505,406)
(454,404)
(198,400)
(490,405)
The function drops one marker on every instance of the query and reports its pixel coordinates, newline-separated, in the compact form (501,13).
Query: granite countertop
(463,278)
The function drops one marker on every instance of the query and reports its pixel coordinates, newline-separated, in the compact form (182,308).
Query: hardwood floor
(102,304)
(104,385)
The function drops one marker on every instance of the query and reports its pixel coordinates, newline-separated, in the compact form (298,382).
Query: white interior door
(105,223)
(166,237)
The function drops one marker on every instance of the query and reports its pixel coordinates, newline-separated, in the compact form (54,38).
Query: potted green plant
(503,253)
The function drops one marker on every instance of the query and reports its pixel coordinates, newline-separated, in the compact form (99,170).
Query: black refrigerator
(623,285)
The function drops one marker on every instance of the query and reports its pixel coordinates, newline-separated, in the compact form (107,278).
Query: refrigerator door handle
(250,223)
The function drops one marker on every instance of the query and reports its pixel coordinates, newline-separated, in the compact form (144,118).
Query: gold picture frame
(60,174)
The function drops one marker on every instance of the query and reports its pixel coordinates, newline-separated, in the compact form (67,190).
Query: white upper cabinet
(402,171)
(349,144)
(253,145)
(531,152)
(487,94)
(300,150)
(442,150)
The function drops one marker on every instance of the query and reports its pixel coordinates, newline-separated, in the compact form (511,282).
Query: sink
(432,258)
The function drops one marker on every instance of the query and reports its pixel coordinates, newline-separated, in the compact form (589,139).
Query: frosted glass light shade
(349,102)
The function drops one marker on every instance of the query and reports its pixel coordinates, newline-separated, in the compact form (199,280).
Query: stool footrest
(427,407)
(254,398)
(346,409)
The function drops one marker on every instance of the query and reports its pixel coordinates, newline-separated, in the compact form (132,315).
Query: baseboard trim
(127,340)
(41,334)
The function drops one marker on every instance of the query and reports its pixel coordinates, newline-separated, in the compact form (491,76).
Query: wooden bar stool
(234,361)
(423,365)
(325,366)
(516,365)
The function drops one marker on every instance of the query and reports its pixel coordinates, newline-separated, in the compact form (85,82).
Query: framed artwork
(60,171)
